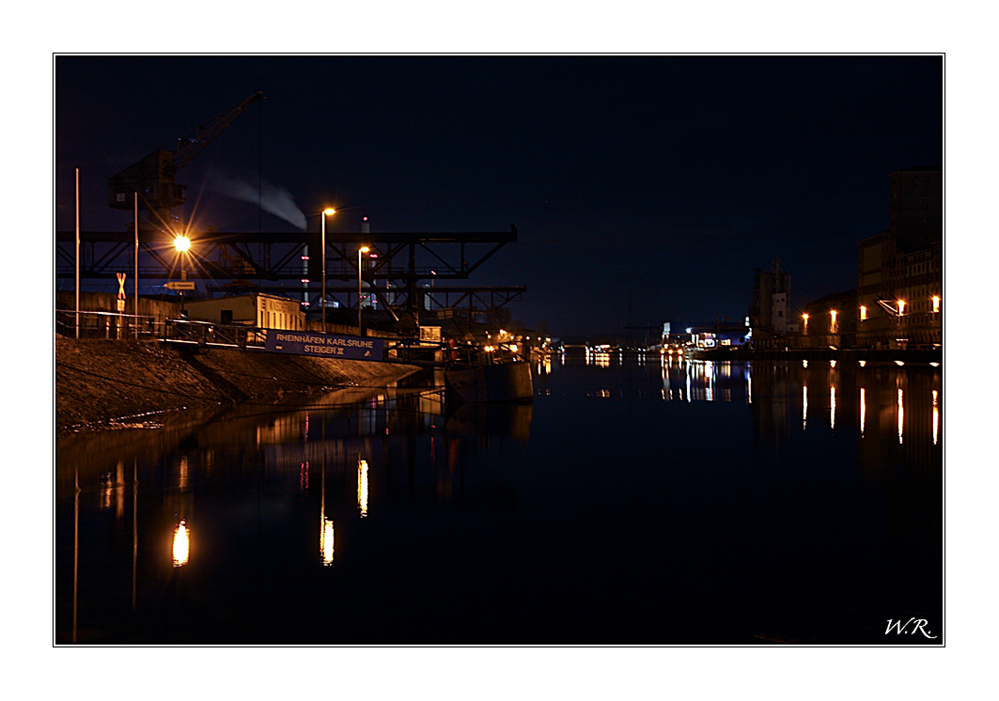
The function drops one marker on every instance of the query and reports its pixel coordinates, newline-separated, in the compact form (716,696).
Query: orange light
(936,304)
(329,210)
(182,243)
(863,312)
(181,545)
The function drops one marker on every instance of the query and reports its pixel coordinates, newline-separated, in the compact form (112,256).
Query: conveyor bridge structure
(400,272)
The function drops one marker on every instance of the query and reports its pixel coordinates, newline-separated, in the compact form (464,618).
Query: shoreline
(917,357)
(102,384)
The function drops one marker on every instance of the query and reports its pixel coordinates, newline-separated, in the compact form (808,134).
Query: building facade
(900,270)
(770,311)
(830,322)
(255,309)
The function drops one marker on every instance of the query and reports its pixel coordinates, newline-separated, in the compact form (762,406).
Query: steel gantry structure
(402,271)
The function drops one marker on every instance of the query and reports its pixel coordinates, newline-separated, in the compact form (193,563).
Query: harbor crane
(153,177)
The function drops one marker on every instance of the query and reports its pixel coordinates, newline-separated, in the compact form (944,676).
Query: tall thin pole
(136,306)
(359,331)
(78,253)
(323,257)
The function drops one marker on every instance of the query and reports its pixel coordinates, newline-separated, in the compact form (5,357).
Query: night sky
(644,188)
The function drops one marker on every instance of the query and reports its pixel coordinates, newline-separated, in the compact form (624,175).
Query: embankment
(103,383)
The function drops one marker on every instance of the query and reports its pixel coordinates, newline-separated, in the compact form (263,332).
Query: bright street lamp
(328,210)
(362,249)
(182,244)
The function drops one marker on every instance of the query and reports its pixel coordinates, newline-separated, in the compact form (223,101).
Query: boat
(496,382)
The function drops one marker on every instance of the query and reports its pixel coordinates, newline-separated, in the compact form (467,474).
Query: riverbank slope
(102,383)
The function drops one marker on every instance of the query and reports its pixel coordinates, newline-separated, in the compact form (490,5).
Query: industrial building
(254,309)
(770,313)
(900,270)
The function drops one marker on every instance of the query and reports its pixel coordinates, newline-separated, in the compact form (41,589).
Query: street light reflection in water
(467,505)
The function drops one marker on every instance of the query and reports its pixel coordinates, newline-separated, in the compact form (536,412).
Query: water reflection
(804,407)
(181,545)
(936,417)
(248,476)
(362,486)
(901,415)
(704,380)
(863,409)
(441,518)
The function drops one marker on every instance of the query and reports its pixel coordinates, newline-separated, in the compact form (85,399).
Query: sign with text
(324,345)
(187,285)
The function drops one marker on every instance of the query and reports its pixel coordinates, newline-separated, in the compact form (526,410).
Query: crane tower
(153,177)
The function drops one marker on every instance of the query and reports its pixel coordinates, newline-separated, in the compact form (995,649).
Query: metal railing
(107,325)
(206,333)
(124,327)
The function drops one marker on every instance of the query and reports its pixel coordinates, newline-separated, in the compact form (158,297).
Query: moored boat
(497,382)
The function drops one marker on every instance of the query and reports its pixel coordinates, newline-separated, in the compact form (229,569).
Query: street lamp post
(362,249)
(182,244)
(325,212)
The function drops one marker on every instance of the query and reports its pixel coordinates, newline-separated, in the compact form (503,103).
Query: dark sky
(644,188)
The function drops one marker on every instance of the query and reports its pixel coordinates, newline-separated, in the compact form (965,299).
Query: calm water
(632,503)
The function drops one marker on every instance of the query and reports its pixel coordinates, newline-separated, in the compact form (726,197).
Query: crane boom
(154,176)
(189,146)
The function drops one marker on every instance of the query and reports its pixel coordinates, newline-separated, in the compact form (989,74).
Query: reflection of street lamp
(362,249)
(181,545)
(329,210)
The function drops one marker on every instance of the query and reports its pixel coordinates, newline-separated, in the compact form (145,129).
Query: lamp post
(325,212)
(362,249)
(182,244)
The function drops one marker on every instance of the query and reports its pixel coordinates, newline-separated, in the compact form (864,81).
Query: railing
(109,325)
(206,333)
(124,327)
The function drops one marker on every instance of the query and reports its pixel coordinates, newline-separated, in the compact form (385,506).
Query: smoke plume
(273,198)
